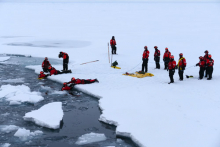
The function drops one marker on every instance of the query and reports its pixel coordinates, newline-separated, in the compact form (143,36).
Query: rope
(134,67)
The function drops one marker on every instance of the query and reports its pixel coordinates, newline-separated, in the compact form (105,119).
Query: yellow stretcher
(116,67)
(138,75)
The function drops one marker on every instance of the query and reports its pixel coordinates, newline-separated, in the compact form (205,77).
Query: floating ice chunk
(24,134)
(5,114)
(59,92)
(48,115)
(5,145)
(8,128)
(40,83)
(46,87)
(18,80)
(90,138)
(4,58)
(14,103)
(19,93)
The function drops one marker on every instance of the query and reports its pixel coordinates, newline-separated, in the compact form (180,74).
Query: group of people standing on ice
(206,63)
(46,66)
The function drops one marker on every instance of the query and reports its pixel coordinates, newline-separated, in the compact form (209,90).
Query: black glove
(176,67)
(183,68)
(163,59)
(197,64)
(154,58)
(143,59)
(167,69)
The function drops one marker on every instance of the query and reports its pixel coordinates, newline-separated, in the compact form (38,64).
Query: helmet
(65,84)
(181,54)
(49,67)
(72,79)
(166,49)
(210,56)
(41,72)
(206,51)
(201,57)
(145,47)
(171,57)
(155,47)
(46,58)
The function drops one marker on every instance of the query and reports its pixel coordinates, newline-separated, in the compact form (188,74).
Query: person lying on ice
(42,75)
(82,81)
(45,65)
(53,71)
(67,87)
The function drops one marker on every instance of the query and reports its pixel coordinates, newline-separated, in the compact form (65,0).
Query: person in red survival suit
(113,45)
(53,71)
(205,58)
(82,81)
(157,57)
(166,58)
(145,59)
(67,87)
(171,68)
(201,64)
(45,65)
(42,75)
(209,68)
(65,57)
(181,66)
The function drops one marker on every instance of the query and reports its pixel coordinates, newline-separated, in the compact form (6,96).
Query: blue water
(81,111)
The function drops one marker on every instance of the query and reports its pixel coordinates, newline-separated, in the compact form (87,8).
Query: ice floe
(24,134)
(48,116)
(8,128)
(18,80)
(4,59)
(90,138)
(19,93)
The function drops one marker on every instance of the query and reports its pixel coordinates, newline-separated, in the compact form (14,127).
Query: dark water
(81,111)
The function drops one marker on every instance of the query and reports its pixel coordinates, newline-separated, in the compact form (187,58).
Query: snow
(8,128)
(48,116)
(90,138)
(18,94)
(18,80)
(5,145)
(24,134)
(4,59)
(149,111)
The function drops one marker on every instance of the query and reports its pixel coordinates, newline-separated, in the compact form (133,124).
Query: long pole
(108,54)
(89,62)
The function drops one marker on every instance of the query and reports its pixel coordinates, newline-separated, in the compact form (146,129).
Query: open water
(81,111)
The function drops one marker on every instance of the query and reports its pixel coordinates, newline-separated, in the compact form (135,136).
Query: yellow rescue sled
(116,67)
(139,75)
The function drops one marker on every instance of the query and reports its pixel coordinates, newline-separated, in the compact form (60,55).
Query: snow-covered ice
(8,128)
(4,59)
(19,93)
(24,134)
(90,138)
(18,80)
(48,116)
(151,112)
